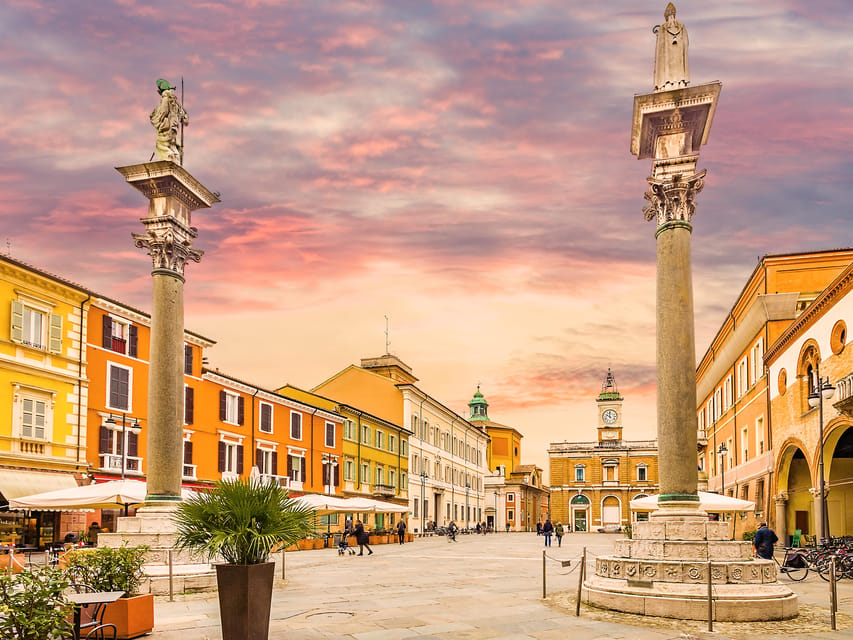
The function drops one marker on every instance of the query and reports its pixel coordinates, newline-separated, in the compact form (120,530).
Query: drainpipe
(254,448)
(316,409)
(79,376)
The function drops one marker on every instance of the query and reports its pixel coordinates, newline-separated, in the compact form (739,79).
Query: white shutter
(55,341)
(17,330)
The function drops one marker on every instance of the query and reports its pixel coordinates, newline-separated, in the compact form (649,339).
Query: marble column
(780,524)
(172,195)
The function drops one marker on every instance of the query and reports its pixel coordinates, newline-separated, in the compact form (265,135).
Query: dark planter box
(245,596)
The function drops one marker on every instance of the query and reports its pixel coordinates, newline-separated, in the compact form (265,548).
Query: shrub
(32,606)
(108,569)
(749,535)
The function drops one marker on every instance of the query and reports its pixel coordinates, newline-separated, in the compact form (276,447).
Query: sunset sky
(461,166)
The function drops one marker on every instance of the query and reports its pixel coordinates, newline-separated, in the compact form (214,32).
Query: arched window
(580,501)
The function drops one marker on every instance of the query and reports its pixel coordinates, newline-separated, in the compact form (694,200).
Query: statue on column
(671,71)
(167,118)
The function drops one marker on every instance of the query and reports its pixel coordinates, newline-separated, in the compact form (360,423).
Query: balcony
(281,481)
(31,447)
(701,438)
(383,489)
(112,462)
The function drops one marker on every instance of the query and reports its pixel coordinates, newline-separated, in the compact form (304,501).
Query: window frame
(330,425)
(108,401)
(295,429)
(262,406)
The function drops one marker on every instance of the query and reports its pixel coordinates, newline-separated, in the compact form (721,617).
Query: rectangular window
(743,377)
(189,469)
(36,327)
(365,473)
(33,418)
(349,474)
(231,406)
(265,417)
(296,470)
(744,442)
(404,481)
(380,475)
(119,336)
(188,360)
(510,515)
(330,434)
(118,391)
(365,434)
(579,474)
(392,477)
(404,448)
(392,443)
(758,360)
(380,442)
(295,425)
(510,497)
(415,510)
(267,461)
(189,405)
(642,474)
(230,458)
(349,430)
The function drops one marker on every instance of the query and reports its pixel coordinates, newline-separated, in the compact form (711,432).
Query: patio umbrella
(709,502)
(100,495)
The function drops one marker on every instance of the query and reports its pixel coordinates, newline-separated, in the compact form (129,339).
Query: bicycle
(793,565)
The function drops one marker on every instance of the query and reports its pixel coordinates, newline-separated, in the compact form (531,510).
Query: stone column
(172,194)
(780,524)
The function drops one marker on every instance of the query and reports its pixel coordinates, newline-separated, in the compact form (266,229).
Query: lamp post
(134,428)
(822,390)
(467,513)
(723,450)
(423,475)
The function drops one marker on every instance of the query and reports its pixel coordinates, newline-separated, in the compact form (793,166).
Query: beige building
(592,483)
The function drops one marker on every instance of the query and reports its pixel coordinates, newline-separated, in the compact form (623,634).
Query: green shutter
(17,331)
(55,333)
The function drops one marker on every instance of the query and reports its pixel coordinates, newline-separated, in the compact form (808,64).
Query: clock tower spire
(609,403)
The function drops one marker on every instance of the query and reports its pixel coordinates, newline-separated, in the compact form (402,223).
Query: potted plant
(240,522)
(119,569)
(32,606)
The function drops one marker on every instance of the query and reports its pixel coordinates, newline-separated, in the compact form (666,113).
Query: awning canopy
(708,502)
(334,504)
(101,495)
(15,483)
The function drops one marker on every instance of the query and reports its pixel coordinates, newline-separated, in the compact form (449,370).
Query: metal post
(833,594)
(581,576)
(282,563)
(171,577)
(544,594)
(710,600)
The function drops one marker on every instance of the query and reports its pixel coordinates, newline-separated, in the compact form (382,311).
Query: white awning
(15,483)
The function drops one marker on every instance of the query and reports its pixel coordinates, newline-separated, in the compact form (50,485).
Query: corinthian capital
(672,199)
(169,244)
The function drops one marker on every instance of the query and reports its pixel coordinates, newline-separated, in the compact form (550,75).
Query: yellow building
(592,483)
(42,389)
(737,441)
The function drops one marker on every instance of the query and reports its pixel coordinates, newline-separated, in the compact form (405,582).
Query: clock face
(609,416)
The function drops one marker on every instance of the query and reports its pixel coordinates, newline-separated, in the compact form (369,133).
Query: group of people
(548,529)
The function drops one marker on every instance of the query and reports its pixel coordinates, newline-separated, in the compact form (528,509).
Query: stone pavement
(480,587)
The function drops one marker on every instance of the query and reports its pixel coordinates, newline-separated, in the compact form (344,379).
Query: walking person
(547,530)
(401,531)
(362,538)
(558,531)
(451,531)
(764,540)
(538,528)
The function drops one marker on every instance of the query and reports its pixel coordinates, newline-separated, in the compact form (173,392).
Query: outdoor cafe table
(93,597)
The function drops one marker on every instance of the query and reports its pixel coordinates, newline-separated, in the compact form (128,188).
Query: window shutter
(239,459)
(289,466)
(132,444)
(189,401)
(222,406)
(188,452)
(240,410)
(326,468)
(303,469)
(221,466)
(104,440)
(17,329)
(188,360)
(55,340)
(337,475)
(258,457)
(274,470)
(133,345)
(107,338)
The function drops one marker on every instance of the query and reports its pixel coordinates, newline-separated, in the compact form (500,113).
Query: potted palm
(116,569)
(240,522)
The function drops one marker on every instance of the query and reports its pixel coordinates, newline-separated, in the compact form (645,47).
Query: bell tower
(609,403)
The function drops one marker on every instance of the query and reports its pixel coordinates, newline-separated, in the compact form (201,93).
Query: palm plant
(241,521)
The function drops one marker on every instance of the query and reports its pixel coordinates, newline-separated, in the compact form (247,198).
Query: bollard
(171,577)
(282,563)
(543,574)
(710,601)
(581,576)
(833,594)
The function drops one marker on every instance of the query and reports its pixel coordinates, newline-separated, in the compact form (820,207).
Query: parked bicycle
(793,565)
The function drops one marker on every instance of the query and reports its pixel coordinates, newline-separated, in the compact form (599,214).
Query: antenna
(387,337)
(182,121)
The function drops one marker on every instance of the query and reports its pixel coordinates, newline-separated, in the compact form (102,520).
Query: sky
(462,167)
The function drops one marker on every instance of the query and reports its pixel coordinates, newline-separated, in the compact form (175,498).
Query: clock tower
(609,411)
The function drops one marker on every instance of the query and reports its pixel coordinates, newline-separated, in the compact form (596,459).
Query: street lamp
(467,513)
(823,390)
(423,475)
(133,428)
(723,450)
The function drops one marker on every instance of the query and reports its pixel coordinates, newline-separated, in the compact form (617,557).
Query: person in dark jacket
(764,540)
(547,530)
(362,538)
(401,531)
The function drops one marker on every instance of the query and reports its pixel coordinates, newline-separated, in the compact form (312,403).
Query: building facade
(737,441)
(447,454)
(592,483)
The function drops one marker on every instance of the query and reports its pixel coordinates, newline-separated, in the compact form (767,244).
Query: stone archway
(611,511)
(580,513)
(838,470)
(795,494)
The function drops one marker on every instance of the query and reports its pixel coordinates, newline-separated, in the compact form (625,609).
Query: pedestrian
(478,528)
(362,539)
(558,531)
(451,531)
(94,530)
(507,527)
(547,530)
(764,540)
(538,528)
(485,528)
(401,531)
